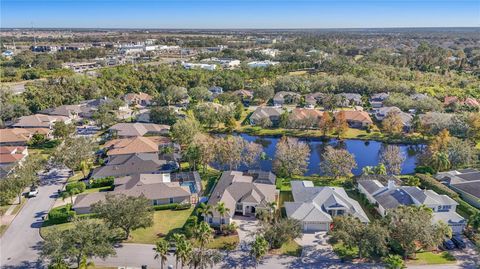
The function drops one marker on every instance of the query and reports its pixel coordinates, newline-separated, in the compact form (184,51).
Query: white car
(33,191)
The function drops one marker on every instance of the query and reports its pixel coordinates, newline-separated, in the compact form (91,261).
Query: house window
(239,207)
(171,200)
(223,221)
(155,202)
(210,220)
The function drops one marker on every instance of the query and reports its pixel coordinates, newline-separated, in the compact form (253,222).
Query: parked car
(33,191)
(448,244)
(458,241)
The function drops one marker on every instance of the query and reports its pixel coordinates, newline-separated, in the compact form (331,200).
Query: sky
(218,14)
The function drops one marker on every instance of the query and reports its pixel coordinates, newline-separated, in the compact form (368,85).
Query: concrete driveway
(19,244)
(468,257)
(316,247)
(247,228)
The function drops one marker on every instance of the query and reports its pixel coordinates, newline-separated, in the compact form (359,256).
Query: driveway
(316,247)
(19,244)
(247,227)
(468,257)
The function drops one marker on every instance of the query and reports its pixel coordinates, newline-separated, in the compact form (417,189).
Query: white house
(314,206)
(389,197)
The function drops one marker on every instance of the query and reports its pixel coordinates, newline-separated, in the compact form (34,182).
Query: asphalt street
(19,244)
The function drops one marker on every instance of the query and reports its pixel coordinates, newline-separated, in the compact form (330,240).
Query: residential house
(138,99)
(304,118)
(73,112)
(20,136)
(40,121)
(453,100)
(125,130)
(313,99)
(242,194)
(382,112)
(158,188)
(138,144)
(266,113)
(135,163)
(215,90)
(245,96)
(464,181)
(315,207)
(350,99)
(286,98)
(10,156)
(376,100)
(355,118)
(391,196)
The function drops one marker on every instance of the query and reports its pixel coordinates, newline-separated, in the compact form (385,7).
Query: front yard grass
(430,258)
(165,223)
(229,242)
(290,248)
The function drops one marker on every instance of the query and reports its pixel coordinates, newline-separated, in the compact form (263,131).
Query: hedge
(61,215)
(102,182)
(172,206)
(431,183)
(165,206)
(80,186)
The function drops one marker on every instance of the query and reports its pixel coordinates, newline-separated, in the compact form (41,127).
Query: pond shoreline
(313,134)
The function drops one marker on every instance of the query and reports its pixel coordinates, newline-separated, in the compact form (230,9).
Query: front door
(253,210)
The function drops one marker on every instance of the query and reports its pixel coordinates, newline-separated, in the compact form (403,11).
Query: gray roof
(129,164)
(151,186)
(371,186)
(312,203)
(379,96)
(449,217)
(64,110)
(280,96)
(464,180)
(260,176)
(472,188)
(235,186)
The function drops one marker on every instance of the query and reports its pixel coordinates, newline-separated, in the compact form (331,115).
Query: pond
(366,153)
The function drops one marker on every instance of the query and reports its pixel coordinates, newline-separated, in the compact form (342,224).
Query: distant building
(464,181)
(266,113)
(261,64)
(209,67)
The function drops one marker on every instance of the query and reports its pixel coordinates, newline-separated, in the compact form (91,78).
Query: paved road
(136,255)
(19,244)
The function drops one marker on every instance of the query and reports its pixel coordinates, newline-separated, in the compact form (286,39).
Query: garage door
(315,227)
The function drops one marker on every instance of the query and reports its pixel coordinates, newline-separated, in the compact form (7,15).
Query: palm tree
(222,210)
(84,167)
(205,210)
(439,161)
(161,251)
(70,193)
(259,248)
(179,240)
(184,251)
(203,234)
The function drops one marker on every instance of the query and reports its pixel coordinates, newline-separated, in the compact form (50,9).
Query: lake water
(366,153)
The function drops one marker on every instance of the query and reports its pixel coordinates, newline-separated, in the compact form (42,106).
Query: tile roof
(302,113)
(354,115)
(137,144)
(235,186)
(139,129)
(39,120)
(266,112)
(14,135)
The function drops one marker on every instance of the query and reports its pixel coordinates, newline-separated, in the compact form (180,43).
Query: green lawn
(290,248)
(165,222)
(61,227)
(224,242)
(3,228)
(424,258)
(283,184)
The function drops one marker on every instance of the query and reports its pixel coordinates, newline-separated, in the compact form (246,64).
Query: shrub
(189,226)
(102,182)
(80,186)
(394,262)
(183,206)
(165,207)
(61,215)
(429,182)
(424,170)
